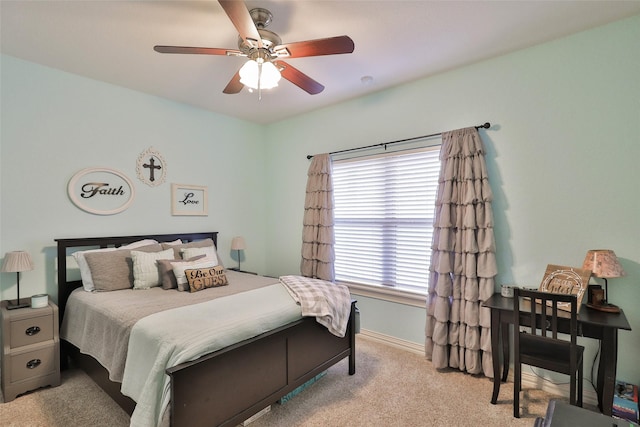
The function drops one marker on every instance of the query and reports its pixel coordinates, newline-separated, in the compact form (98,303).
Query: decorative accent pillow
(204,278)
(113,270)
(146,273)
(209,251)
(85,271)
(178,248)
(179,269)
(165,268)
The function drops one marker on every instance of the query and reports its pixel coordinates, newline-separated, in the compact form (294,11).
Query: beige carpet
(391,387)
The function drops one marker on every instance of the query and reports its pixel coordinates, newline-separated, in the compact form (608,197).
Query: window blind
(384,209)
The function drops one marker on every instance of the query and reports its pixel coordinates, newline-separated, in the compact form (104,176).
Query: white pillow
(208,251)
(179,268)
(145,268)
(175,242)
(85,272)
(139,244)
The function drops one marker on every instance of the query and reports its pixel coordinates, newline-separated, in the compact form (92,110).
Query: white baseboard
(529,379)
(393,341)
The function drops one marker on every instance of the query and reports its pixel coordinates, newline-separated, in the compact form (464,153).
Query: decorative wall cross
(152,167)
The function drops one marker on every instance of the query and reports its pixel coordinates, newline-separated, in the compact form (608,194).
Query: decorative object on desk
(506,291)
(238,244)
(39,301)
(565,280)
(604,264)
(15,262)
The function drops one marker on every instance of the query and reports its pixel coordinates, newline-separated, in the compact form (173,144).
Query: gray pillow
(113,270)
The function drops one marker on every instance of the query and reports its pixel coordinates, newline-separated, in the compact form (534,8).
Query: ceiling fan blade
(234,85)
(197,50)
(328,46)
(241,19)
(298,78)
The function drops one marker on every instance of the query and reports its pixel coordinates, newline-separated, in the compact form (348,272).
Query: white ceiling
(395,42)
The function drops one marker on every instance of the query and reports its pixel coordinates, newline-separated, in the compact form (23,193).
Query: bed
(225,386)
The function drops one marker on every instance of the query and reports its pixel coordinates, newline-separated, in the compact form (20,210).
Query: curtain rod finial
(487,125)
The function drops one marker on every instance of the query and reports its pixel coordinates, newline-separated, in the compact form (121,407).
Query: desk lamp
(237,244)
(15,262)
(605,265)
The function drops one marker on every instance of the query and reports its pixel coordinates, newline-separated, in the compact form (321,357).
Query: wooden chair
(539,348)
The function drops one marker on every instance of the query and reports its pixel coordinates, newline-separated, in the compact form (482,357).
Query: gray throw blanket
(328,302)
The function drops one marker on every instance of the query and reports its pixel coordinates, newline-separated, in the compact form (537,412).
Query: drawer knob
(33,363)
(32,330)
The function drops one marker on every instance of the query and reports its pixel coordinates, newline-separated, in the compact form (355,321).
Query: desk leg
(504,327)
(495,345)
(607,370)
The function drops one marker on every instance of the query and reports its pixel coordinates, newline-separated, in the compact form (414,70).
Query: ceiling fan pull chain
(259,81)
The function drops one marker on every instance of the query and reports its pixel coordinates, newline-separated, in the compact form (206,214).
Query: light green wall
(563,156)
(55,124)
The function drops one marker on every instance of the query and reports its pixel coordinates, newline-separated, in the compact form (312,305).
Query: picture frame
(190,200)
(101,191)
(565,280)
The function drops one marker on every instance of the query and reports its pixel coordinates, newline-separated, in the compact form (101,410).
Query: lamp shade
(257,74)
(237,244)
(17,261)
(603,263)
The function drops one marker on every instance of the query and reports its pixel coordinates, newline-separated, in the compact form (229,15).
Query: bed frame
(228,386)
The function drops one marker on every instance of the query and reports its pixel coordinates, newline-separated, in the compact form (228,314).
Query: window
(384,210)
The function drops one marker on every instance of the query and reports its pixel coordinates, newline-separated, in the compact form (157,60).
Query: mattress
(100,323)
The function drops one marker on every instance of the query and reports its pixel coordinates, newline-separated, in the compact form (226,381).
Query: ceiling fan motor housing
(262,18)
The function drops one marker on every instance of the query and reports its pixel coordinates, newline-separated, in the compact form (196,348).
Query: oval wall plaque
(101,191)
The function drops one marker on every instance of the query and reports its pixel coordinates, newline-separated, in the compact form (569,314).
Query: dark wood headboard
(65,287)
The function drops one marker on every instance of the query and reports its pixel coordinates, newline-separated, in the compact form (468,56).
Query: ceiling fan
(265,51)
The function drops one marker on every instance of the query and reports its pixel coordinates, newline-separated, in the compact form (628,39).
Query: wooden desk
(591,323)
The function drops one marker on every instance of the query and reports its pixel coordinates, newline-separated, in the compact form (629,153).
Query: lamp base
(16,304)
(609,308)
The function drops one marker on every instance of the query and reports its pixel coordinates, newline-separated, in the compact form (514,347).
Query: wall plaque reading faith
(101,191)
(565,280)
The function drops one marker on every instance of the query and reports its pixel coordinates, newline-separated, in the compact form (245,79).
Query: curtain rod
(487,125)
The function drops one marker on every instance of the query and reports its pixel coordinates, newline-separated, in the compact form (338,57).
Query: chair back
(543,312)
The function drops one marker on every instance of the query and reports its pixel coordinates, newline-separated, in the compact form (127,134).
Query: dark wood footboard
(230,385)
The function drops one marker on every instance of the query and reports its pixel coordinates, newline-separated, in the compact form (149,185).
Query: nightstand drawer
(31,331)
(31,364)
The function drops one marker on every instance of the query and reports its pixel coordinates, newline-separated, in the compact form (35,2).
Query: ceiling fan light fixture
(257,74)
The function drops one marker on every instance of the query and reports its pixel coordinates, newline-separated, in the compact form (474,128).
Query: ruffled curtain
(463,264)
(317,231)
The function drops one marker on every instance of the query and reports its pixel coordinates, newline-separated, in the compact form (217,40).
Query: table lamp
(15,262)
(604,264)
(237,244)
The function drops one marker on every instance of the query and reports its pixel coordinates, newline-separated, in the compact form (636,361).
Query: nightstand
(30,349)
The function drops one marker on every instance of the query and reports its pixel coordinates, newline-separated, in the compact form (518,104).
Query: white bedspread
(329,303)
(175,336)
